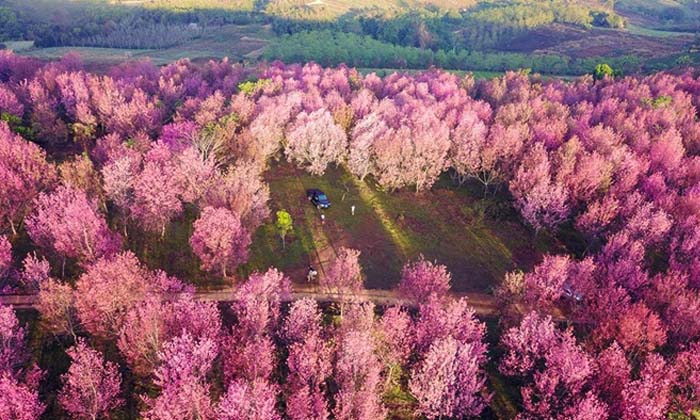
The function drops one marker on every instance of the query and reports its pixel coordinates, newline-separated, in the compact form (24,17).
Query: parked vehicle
(318,198)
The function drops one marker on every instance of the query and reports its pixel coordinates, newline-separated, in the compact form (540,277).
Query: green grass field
(447,225)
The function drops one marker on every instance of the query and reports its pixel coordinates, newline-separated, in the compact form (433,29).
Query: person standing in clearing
(323,219)
(352,209)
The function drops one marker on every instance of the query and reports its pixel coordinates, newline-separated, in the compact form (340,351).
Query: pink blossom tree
(156,191)
(393,339)
(24,173)
(5,257)
(243,191)
(344,274)
(362,139)
(687,384)
(315,140)
(468,139)
(450,380)
(638,330)
(541,201)
(67,222)
(13,351)
(248,401)
(182,379)
(196,173)
(58,308)
(556,372)
(438,319)
(219,240)
(106,291)
(612,376)
(91,386)
(414,154)
(649,396)
(156,320)
(422,278)
(18,401)
(309,362)
(357,373)
(249,350)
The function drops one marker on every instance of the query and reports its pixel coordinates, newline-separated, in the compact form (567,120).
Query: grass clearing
(237,42)
(446,224)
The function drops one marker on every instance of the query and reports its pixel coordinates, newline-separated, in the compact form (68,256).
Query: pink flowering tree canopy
(315,141)
(422,278)
(91,386)
(67,222)
(219,240)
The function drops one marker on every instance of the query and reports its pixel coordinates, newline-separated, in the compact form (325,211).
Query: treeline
(332,48)
(52,24)
(485,24)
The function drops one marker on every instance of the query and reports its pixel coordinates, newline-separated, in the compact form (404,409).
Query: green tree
(602,70)
(284,225)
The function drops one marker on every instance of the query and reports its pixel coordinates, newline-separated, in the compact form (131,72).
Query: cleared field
(447,225)
(237,42)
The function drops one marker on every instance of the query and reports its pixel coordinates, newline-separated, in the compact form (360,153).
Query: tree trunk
(13,227)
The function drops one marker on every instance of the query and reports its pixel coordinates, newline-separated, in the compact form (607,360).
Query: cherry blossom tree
(243,191)
(309,362)
(58,308)
(357,372)
(91,385)
(18,401)
(422,278)
(637,330)
(80,173)
(106,291)
(363,136)
(156,191)
(248,351)
(24,173)
(687,384)
(556,372)
(248,401)
(649,396)
(315,140)
(467,147)
(156,320)
(197,173)
(67,222)
(13,351)
(541,201)
(344,274)
(5,257)
(438,319)
(219,240)
(450,381)
(182,379)
(392,335)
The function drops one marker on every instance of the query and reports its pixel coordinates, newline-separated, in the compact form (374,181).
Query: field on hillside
(237,42)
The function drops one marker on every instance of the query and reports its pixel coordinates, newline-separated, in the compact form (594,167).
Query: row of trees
(332,48)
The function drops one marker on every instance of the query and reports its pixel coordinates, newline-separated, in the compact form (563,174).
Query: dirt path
(484,305)
(324,249)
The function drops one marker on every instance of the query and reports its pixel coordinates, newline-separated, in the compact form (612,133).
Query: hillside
(553,37)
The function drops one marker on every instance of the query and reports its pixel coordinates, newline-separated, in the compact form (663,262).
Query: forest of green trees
(332,48)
